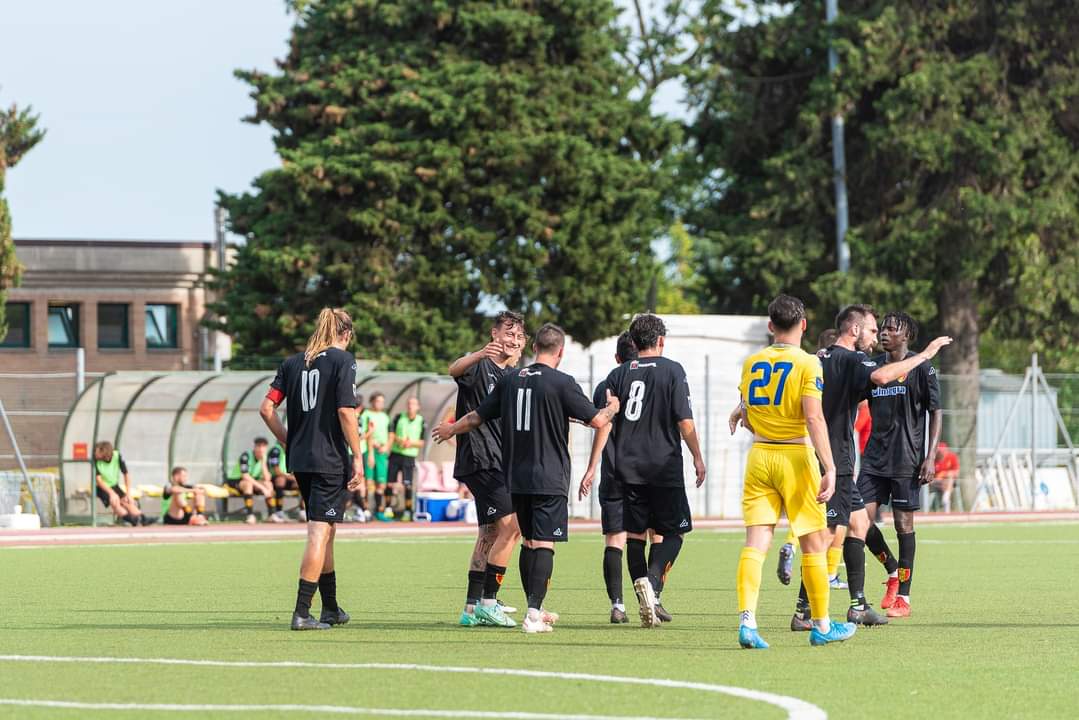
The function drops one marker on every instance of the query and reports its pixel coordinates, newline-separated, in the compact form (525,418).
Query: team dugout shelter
(203,421)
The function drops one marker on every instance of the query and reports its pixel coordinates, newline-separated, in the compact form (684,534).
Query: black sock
(612,574)
(524,566)
(638,567)
(380,502)
(542,569)
(906,562)
(408,498)
(803,599)
(303,597)
(387,497)
(249,504)
(492,581)
(661,559)
(279,497)
(327,589)
(874,540)
(475,587)
(854,559)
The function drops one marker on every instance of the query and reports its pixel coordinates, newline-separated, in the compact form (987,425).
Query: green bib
(110,471)
(254,467)
(379,422)
(407,429)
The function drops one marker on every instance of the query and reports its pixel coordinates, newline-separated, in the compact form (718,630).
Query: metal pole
(80,370)
(708,433)
(22,464)
(219,241)
(1033,428)
(839,163)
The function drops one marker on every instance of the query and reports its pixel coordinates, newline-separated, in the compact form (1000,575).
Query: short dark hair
(376,396)
(177,470)
(827,338)
(852,315)
(508,317)
(646,330)
(625,349)
(902,322)
(786,311)
(549,338)
(261,441)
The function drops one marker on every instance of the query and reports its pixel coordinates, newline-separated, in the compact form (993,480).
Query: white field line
(796,709)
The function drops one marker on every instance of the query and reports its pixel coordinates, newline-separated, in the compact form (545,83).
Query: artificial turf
(994,632)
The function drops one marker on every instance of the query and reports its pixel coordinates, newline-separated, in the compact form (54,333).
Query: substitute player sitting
(781,400)
(186,502)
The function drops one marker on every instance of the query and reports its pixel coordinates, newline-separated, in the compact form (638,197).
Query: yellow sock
(815,577)
(792,539)
(750,563)
(834,556)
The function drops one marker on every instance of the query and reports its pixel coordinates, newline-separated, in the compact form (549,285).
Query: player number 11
(762,382)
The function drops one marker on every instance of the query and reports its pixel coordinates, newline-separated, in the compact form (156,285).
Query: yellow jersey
(774,381)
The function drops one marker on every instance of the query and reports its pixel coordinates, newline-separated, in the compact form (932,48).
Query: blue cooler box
(431,506)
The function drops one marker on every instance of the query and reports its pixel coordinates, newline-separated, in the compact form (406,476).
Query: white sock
(488,602)
(534,614)
(894,574)
(470,609)
(749,619)
(618,606)
(823,625)
(906,598)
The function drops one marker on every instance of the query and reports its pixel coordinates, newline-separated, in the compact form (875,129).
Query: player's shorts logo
(491,511)
(904,574)
(557,532)
(331,513)
(832,513)
(684,523)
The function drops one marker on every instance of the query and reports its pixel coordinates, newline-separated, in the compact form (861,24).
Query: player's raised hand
(827,486)
(698,466)
(586,483)
(357,480)
(612,403)
(494,350)
(934,347)
(442,433)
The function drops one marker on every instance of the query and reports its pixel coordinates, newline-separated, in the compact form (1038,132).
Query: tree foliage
(18,134)
(438,157)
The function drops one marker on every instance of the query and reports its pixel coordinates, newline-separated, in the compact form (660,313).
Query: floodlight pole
(839,163)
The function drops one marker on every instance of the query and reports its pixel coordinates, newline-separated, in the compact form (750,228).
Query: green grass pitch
(995,632)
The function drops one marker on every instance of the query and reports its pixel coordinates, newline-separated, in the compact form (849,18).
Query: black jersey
(846,383)
(606,471)
(316,442)
(535,405)
(896,446)
(480,449)
(654,397)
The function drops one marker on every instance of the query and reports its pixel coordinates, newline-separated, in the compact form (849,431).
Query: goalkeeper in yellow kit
(781,403)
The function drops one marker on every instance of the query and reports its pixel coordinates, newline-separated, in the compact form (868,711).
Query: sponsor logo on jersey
(491,511)
(869,363)
(331,513)
(529,373)
(635,364)
(557,532)
(879,392)
(684,523)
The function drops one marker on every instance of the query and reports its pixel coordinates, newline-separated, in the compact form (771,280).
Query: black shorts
(904,493)
(104,496)
(542,517)
(610,506)
(325,496)
(491,493)
(401,464)
(170,520)
(663,509)
(845,500)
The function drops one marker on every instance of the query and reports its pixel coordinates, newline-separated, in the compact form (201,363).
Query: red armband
(275,396)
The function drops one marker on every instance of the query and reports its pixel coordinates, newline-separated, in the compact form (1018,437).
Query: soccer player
(319,386)
(251,476)
(849,375)
(177,495)
(478,466)
(896,464)
(113,485)
(648,436)
(406,439)
(535,406)
(781,402)
(610,494)
(378,452)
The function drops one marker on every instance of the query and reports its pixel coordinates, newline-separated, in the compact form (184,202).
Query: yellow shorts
(783,476)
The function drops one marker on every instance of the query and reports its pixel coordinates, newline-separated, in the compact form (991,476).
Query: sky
(142,112)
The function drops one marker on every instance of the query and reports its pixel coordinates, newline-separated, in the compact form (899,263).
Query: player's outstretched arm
(818,434)
(893,371)
(458,367)
(599,441)
(688,430)
(268,411)
(446,430)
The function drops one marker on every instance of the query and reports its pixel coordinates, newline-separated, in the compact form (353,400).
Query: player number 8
(635,401)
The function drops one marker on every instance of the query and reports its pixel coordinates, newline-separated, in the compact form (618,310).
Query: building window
(63,326)
(161,326)
(112,326)
(18,325)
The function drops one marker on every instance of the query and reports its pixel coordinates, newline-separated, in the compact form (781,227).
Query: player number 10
(762,382)
(309,389)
